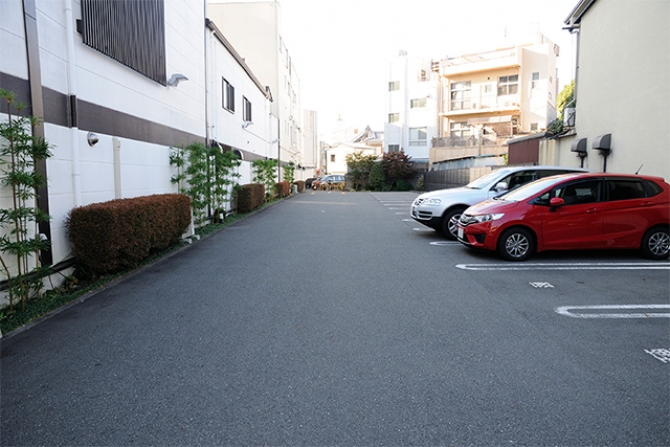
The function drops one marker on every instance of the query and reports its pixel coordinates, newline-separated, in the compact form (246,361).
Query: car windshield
(529,189)
(485,180)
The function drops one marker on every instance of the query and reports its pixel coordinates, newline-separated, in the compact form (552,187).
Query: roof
(578,12)
(527,137)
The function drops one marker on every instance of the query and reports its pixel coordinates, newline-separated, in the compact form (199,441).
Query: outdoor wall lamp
(92,139)
(175,78)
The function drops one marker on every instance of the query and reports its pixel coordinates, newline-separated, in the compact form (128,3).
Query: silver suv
(441,209)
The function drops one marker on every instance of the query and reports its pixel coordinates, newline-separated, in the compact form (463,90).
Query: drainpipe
(72,102)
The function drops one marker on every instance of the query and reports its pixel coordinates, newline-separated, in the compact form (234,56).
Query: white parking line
(659,354)
(441,243)
(570,266)
(422,229)
(568,311)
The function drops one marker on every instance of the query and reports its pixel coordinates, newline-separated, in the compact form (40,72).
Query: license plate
(460,233)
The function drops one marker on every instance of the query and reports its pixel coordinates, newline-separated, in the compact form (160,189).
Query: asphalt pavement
(331,318)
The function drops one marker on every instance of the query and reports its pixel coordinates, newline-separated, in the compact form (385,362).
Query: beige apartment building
(486,98)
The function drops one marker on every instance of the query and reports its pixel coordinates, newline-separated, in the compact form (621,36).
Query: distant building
(411,123)
(367,142)
(254,29)
(310,145)
(622,99)
(486,98)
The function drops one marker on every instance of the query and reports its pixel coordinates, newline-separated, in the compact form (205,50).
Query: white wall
(622,86)
(406,69)
(80,174)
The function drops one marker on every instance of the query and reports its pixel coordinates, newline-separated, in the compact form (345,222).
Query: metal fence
(453,178)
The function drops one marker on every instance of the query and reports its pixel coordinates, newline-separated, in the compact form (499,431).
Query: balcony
(471,63)
(479,104)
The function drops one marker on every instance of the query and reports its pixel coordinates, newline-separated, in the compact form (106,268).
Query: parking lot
(333,318)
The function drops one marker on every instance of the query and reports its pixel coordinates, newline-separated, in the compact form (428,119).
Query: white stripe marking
(567,311)
(441,243)
(569,266)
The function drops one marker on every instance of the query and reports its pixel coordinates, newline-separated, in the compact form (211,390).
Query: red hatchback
(573,211)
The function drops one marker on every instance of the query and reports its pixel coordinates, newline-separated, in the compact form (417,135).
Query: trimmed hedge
(300,184)
(283,189)
(250,196)
(116,235)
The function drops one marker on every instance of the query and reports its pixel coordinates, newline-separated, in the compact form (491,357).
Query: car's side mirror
(556,202)
(501,187)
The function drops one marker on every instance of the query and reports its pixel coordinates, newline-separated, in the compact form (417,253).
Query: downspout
(37,110)
(72,102)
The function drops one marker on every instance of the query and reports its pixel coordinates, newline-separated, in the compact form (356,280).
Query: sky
(341,48)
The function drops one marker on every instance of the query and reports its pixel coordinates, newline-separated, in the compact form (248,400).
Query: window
(393,86)
(228,96)
(579,193)
(332,158)
(652,188)
(508,85)
(535,82)
(533,127)
(625,189)
(417,103)
(394,117)
(417,136)
(517,179)
(394,148)
(246,113)
(459,129)
(423,76)
(460,95)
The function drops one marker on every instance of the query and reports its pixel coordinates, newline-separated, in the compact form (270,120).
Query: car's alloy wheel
(516,244)
(656,243)
(450,223)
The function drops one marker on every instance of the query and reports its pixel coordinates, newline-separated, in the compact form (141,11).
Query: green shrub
(112,236)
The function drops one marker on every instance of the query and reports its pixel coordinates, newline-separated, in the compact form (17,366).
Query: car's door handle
(647,204)
(592,210)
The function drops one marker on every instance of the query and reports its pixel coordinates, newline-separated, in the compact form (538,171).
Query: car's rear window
(653,188)
(625,189)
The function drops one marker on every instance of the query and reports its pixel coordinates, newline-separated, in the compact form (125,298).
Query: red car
(573,211)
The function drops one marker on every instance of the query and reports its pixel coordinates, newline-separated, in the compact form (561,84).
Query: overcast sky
(341,48)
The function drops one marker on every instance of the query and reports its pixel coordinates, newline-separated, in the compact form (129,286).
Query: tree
(377,177)
(360,166)
(398,170)
(565,98)
(20,154)
(265,173)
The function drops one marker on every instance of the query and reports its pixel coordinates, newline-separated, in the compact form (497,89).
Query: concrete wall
(622,87)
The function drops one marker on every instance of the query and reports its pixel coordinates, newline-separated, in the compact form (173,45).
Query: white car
(441,209)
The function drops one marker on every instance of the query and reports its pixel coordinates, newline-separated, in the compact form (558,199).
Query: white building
(254,29)
(112,116)
(367,142)
(411,123)
(239,107)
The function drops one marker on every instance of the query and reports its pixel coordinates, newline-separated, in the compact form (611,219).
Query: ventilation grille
(129,31)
